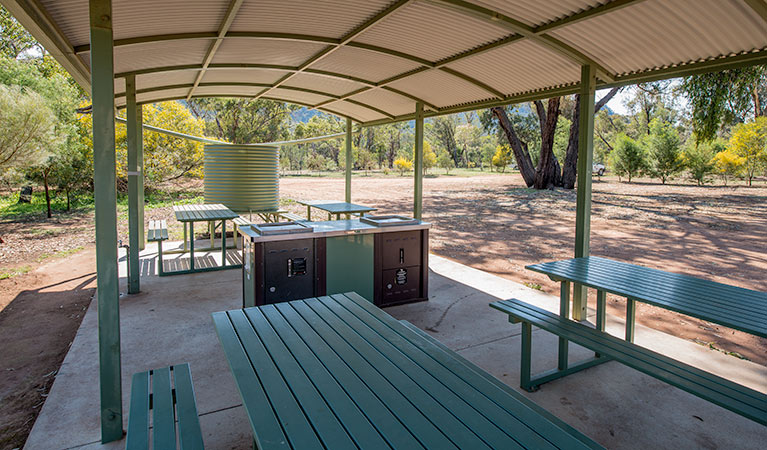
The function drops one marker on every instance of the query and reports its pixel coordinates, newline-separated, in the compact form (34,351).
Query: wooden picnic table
(333,207)
(210,213)
(337,372)
(730,306)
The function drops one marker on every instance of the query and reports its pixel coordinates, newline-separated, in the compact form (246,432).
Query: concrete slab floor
(169,322)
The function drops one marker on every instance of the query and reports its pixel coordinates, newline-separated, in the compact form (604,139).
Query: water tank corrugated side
(242,177)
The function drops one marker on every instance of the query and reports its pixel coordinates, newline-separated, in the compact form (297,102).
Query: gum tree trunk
(521,154)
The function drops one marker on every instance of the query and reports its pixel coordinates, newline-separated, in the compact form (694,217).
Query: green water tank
(242,177)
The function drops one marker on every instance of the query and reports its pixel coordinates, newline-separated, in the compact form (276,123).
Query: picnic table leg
(191,245)
(308,213)
(631,309)
(212,233)
(185,237)
(601,312)
(564,311)
(223,243)
(159,258)
(524,375)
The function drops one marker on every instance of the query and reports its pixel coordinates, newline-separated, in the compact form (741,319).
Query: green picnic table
(730,306)
(210,213)
(337,372)
(334,207)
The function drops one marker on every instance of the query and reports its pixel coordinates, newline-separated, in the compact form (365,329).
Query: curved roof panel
(373,60)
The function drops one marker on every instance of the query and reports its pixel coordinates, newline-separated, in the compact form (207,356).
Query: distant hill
(303,115)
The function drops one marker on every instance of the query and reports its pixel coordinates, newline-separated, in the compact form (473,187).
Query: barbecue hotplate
(281,228)
(388,221)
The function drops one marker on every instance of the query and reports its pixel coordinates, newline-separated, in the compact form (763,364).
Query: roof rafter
(527,32)
(344,40)
(263,85)
(231,13)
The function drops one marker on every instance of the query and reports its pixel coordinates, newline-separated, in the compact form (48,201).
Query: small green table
(333,207)
(210,213)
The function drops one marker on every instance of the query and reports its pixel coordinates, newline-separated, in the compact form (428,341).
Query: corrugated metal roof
(373,60)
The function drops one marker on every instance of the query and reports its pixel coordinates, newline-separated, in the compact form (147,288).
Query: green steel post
(564,311)
(583,196)
(140,159)
(631,311)
(134,173)
(102,95)
(349,161)
(418,163)
(191,245)
(524,374)
(223,243)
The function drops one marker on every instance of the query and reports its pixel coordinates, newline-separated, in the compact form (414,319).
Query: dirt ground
(496,224)
(491,222)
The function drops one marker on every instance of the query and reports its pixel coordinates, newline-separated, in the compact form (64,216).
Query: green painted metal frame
(583,194)
(102,76)
(418,163)
(134,173)
(349,162)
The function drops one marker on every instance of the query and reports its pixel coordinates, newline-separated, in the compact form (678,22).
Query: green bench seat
(169,395)
(292,216)
(158,232)
(739,399)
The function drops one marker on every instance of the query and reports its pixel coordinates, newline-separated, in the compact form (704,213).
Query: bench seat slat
(163,417)
(189,432)
(138,421)
(740,399)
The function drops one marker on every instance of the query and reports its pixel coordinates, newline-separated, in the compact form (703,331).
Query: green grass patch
(535,286)
(59,254)
(11,209)
(10,273)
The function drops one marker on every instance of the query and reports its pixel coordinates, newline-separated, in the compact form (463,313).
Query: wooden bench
(739,399)
(169,395)
(158,232)
(338,372)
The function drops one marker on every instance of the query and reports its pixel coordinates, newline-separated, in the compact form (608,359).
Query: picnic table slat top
(734,307)
(336,207)
(365,380)
(203,213)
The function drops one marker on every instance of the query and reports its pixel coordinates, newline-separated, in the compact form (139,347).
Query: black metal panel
(400,285)
(401,249)
(289,270)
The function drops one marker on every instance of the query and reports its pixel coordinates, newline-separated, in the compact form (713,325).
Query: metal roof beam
(265,85)
(528,32)
(344,40)
(231,13)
